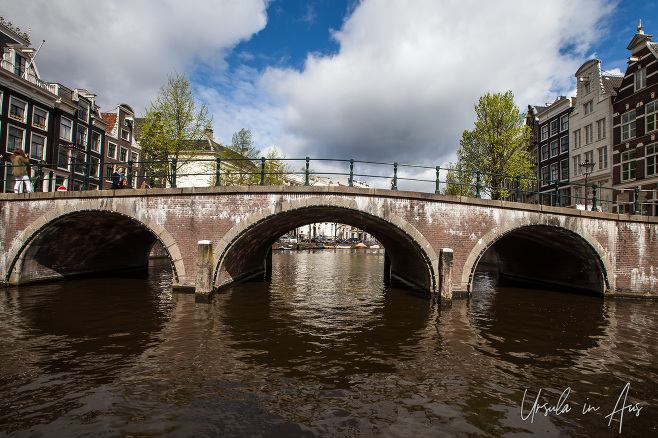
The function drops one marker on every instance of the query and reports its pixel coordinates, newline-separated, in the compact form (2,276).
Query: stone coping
(322,190)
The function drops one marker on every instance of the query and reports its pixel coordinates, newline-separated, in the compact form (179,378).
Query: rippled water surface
(323,350)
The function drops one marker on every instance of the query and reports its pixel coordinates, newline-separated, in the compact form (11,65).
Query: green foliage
(276,169)
(459,183)
(241,161)
(171,129)
(497,146)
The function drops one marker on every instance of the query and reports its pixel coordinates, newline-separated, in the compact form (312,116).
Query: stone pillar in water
(204,269)
(445,274)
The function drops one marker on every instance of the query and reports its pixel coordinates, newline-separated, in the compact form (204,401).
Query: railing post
(85,176)
(477,184)
(218,166)
(262,171)
(637,201)
(173,172)
(130,174)
(306,182)
(557,194)
(395,176)
(351,172)
(518,188)
(438,182)
(38,184)
(594,187)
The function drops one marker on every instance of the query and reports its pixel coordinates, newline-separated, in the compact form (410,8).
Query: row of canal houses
(605,136)
(58,127)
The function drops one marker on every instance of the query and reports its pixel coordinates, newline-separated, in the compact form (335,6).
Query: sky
(378,80)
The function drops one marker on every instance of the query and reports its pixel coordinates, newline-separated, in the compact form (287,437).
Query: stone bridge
(45,236)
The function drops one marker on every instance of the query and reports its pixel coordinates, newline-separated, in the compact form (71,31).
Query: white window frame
(630,123)
(85,140)
(589,133)
(94,167)
(576,164)
(555,171)
(555,148)
(576,139)
(603,157)
(43,146)
(555,127)
(95,146)
(564,143)
(588,107)
(651,116)
(34,114)
(545,152)
(651,160)
(78,165)
(640,79)
(125,137)
(69,126)
(2,97)
(123,151)
(626,160)
(67,155)
(134,156)
(564,175)
(544,176)
(600,129)
(544,132)
(13,147)
(564,123)
(83,109)
(24,107)
(109,147)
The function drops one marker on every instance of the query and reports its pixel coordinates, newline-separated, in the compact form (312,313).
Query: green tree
(240,160)
(497,146)
(276,168)
(172,129)
(459,182)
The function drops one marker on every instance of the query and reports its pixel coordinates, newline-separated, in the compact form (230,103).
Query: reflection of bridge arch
(544,254)
(243,249)
(83,239)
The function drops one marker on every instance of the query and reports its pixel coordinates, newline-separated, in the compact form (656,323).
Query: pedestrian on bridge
(118,179)
(20,169)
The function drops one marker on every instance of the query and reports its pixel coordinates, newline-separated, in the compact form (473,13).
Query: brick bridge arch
(111,236)
(243,249)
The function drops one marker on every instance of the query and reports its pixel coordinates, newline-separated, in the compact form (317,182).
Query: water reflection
(323,350)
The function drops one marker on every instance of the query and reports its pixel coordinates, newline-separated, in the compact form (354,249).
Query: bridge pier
(446,257)
(204,286)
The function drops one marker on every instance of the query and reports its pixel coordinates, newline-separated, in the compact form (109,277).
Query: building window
(81,138)
(63,157)
(589,134)
(544,152)
(651,153)
(83,112)
(554,125)
(564,170)
(79,160)
(20,65)
(39,118)
(93,167)
(554,172)
(37,146)
(108,172)
(564,143)
(575,164)
(589,157)
(125,135)
(15,138)
(600,129)
(587,87)
(640,78)
(95,141)
(134,157)
(603,157)
(589,107)
(628,125)
(554,148)
(123,154)
(544,176)
(65,129)
(576,139)
(17,109)
(650,111)
(628,165)
(544,132)
(111,150)
(564,123)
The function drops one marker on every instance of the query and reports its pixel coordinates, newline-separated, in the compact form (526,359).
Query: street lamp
(586,169)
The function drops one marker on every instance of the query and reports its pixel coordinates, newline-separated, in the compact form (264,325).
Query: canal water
(323,350)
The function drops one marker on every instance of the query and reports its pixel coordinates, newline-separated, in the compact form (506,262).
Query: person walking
(20,163)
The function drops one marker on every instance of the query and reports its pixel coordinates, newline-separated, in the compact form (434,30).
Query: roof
(610,83)
(110,119)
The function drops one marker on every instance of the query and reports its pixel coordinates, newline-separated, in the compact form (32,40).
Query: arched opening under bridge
(85,243)
(545,257)
(410,258)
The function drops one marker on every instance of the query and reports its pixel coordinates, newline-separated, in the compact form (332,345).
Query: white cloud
(122,50)
(408,73)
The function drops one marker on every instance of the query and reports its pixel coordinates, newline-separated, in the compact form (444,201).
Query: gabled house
(635,129)
(122,146)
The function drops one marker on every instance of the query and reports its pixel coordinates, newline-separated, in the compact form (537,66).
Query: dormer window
(125,135)
(640,78)
(83,112)
(587,87)
(20,65)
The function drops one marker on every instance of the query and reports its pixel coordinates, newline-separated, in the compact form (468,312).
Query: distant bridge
(61,234)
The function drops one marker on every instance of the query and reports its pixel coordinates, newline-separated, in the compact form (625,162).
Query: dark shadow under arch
(84,243)
(246,253)
(545,257)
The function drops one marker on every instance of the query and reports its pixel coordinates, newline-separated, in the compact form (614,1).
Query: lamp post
(586,169)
